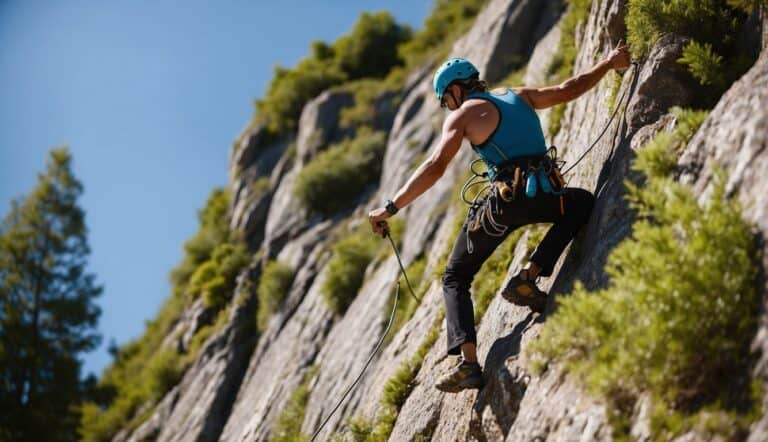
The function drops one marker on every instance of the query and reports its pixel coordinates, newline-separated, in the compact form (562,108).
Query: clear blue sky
(149,96)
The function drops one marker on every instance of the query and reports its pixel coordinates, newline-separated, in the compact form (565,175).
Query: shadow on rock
(500,399)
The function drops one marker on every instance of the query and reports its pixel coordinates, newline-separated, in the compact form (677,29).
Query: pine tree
(47,310)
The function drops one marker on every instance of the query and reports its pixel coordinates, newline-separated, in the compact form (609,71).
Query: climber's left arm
(541,98)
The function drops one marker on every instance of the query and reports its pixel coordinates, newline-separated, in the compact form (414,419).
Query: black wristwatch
(391,208)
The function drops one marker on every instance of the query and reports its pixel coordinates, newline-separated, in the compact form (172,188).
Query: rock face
(242,381)
(735,138)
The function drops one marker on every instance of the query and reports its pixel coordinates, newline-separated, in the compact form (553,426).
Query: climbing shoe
(464,376)
(523,292)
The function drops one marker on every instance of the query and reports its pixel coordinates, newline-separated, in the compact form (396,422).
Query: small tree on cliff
(47,310)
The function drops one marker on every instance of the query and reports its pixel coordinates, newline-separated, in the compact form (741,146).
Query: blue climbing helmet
(451,70)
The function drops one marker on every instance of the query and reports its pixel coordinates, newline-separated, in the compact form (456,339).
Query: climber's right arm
(427,174)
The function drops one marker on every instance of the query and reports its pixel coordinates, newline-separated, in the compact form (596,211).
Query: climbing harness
(381,340)
(525,174)
(513,178)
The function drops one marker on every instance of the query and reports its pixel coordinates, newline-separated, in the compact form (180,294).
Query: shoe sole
(536,303)
(464,385)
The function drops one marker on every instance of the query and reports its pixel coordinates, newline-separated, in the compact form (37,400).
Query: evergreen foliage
(704,64)
(275,281)
(214,230)
(370,50)
(365,92)
(339,174)
(288,427)
(215,279)
(448,20)
(678,315)
(144,370)
(350,257)
(713,55)
(395,392)
(48,313)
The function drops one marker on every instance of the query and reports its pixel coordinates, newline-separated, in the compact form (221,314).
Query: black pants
(463,265)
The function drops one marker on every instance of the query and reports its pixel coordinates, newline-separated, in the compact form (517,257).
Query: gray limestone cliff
(242,381)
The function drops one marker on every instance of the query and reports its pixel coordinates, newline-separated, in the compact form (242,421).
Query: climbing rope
(381,340)
(610,120)
(477,178)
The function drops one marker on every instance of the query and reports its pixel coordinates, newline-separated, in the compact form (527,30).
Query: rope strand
(381,340)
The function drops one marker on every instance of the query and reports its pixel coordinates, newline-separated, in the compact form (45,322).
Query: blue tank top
(518,133)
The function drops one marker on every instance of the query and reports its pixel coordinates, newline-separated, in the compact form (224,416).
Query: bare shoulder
(524,92)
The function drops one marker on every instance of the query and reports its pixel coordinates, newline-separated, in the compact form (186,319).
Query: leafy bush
(396,391)
(214,280)
(290,90)
(680,310)
(143,370)
(346,269)
(213,230)
(365,91)
(333,179)
(704,64)
(288,427)
(713,54)
(448,20)
(273,286)
(368,51)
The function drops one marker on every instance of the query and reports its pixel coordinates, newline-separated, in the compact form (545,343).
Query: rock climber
(504,130)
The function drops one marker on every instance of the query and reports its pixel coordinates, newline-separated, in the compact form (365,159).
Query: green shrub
(687,123)
(615,87)
(333,179)
(164,370)
(679,312)
(365,91)
(204,273)
(214,280)
(202,335)
(369,50)
(513,79)
(707,21)
(704,64)
(257,189)
(276,280)
(142,370)
(350,257)
(713,56)
(288,427)
(213,230)
(448,20)
(399,386)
